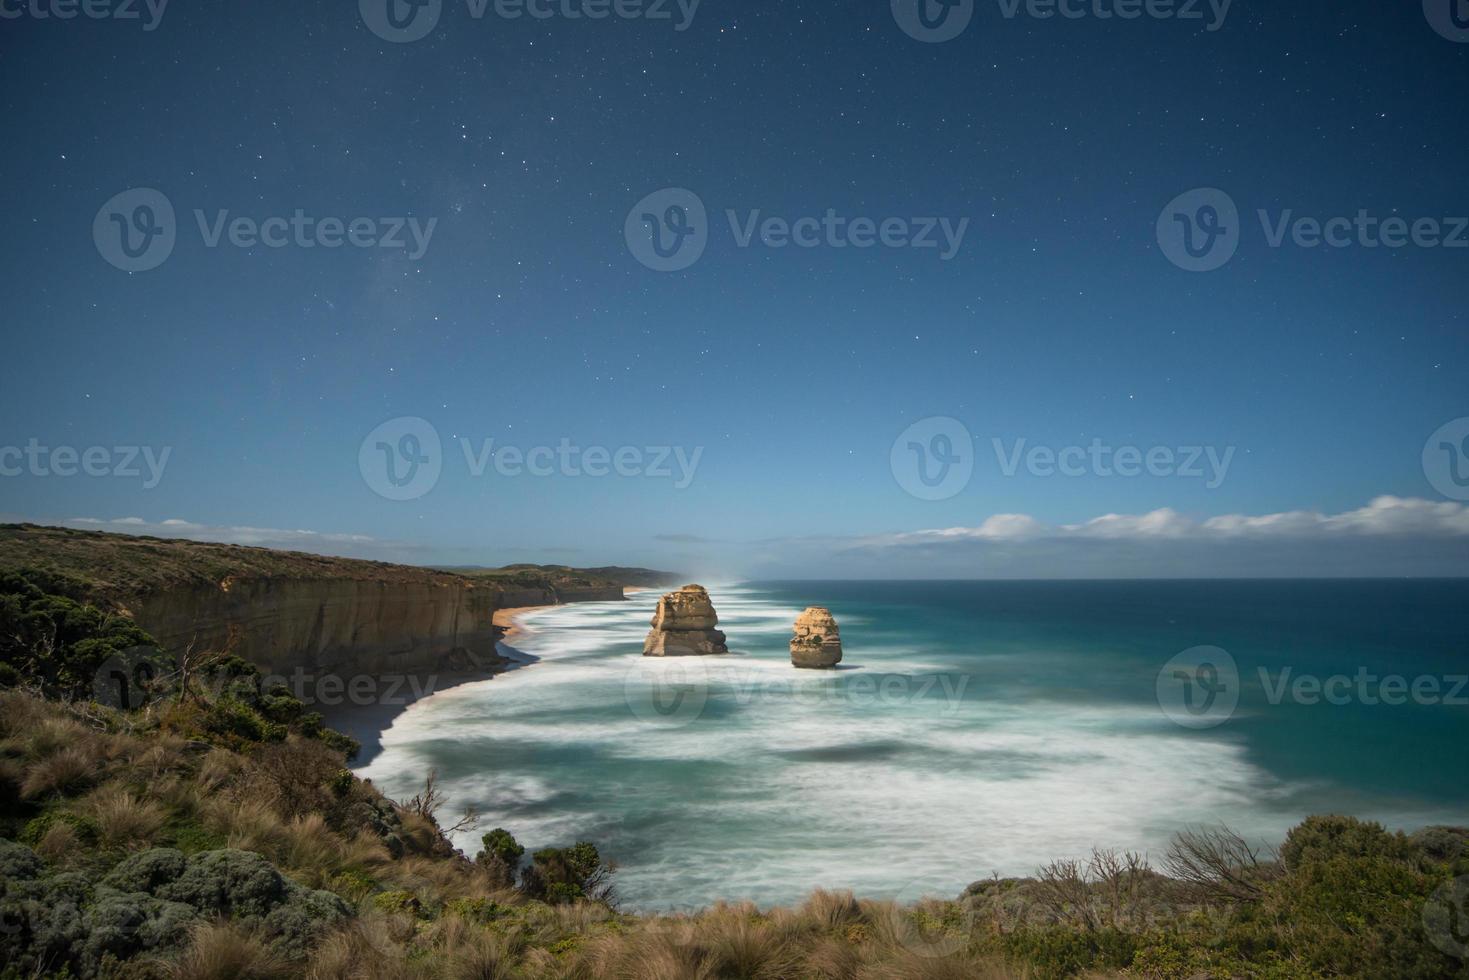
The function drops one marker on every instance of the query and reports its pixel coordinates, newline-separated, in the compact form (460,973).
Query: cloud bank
(1391,536)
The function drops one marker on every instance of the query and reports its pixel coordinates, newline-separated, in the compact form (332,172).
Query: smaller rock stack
(683,626)
(817,643)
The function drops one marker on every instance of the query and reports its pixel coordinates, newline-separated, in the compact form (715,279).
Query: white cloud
(1383,516)
(1390,536)
(268,537)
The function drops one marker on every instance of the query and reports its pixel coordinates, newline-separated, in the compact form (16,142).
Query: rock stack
(817,644)
(684,625)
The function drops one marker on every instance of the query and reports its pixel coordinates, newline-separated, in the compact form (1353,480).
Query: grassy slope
(112,567)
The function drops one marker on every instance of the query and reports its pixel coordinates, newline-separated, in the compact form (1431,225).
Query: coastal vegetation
(216,831)
(110,569)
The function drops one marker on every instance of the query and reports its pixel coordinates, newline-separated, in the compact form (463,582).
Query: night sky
(529,320)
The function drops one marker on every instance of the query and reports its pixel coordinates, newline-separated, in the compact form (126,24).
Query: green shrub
(230,883)
(192,837)
(480,910)
(35,829)
(398,902)
(304,918)
(63,644)
(18,862)
(558,876)
(1445,845)
(147,871)
(1323,838)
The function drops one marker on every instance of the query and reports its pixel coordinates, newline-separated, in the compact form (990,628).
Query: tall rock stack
(684,625)
(817,643)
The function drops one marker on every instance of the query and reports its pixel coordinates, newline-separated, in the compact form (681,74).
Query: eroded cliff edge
(289,611)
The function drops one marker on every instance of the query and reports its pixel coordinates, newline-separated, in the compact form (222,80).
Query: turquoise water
(974,728)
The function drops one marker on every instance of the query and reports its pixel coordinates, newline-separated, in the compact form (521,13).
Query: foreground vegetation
(217,833)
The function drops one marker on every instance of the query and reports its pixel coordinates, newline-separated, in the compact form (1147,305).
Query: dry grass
(124,820)
(57,772)
(223,951)
(249,825)
(59,844)
(832,910)
(310,848)
(472,953)
(157,757)
(358,951)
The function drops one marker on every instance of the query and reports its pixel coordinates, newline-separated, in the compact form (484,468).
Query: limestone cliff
(331,625)
(285,611)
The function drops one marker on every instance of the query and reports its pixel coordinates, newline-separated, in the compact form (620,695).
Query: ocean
(974,728)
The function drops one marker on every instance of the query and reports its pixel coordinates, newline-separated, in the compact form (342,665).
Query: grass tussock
(57,772)
(224,951)
(122,819)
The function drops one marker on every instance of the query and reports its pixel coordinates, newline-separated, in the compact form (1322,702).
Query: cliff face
(288,611)
(329,626)
(338,625)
